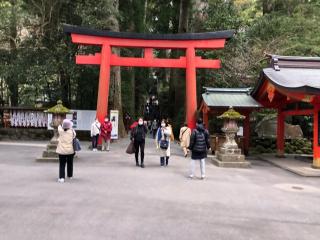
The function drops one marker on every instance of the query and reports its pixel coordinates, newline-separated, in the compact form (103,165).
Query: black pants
(154,133)
(137,145)
(95,141)
(164,161)
(63,160)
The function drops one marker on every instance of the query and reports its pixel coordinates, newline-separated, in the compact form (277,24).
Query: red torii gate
(189,41)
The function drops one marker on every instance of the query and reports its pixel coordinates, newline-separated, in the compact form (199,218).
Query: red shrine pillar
(280,133)
(316,147)
(191,87)
(104,79)
(246,133)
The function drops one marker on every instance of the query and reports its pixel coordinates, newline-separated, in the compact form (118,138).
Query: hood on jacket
(200,127)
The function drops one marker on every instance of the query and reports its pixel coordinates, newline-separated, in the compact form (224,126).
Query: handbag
(164,144)
(76,144)
(131,149)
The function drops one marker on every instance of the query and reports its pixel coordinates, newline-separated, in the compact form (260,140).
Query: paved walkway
(110,198)
(292,164)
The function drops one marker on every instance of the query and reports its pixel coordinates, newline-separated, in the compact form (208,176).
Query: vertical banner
(49,121)
(114,118)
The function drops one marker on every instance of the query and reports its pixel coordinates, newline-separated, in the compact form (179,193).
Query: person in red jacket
(106,129)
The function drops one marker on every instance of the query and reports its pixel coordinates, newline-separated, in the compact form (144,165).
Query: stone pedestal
(231,158)
(50,155)
(229,155)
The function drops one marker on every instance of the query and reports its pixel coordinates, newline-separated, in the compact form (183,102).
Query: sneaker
(191,176)
(142,165)
(94,149)
(203,177)
(61,180)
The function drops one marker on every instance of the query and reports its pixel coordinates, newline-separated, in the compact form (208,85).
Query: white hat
(67,123)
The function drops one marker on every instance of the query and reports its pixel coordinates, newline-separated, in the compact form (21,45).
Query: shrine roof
(227,97)
(294,74)
(148,36)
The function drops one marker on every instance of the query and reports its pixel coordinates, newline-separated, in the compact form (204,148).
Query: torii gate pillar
(191,88)
(104,82)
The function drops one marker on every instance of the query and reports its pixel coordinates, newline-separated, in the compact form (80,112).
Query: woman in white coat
(163,143)
(65,149)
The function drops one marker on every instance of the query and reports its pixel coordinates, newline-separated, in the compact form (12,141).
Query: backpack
(200,143)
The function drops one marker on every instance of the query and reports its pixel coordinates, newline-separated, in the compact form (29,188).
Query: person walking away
(127,121)
(138,136)
(95,131)
(163,143)
(106,129)
(154,128)
(65,149)
(199,144)
(184,138)
(169,125)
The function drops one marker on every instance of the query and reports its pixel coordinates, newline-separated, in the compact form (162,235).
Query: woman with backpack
(163,143)
(199,144)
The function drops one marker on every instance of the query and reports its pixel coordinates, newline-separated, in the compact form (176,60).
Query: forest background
(37,62)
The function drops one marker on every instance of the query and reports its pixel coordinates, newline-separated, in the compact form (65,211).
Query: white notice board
(114,118)
(82,119)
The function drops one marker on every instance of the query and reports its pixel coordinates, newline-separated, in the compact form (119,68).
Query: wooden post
(280,133)
(246,133)
(205,118)
(316,147)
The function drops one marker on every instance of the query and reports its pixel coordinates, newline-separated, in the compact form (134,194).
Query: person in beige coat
(65,149)
(184,137)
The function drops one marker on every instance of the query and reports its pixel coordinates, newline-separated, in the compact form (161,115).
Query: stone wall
(34,134)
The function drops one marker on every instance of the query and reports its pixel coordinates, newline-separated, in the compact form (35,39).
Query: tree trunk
(267,6)
(65,87)
(177,76)
(115,76)
(12,80)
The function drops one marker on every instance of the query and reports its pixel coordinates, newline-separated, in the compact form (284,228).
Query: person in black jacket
(199,144)
(138,135)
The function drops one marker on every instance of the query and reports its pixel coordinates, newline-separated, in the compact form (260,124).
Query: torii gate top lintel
(187,41)
(155,38)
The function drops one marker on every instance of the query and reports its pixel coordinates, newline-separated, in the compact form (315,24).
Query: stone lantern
(229,154)
(58,115)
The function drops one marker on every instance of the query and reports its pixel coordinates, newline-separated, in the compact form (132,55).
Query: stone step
(49,154)
(47,159)
(230,157)
(51,147)
(52,159)
(243,164)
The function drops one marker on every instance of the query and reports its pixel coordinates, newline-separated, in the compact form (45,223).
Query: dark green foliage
(37,58)
(292,146)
